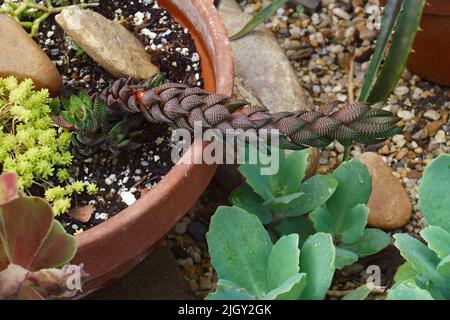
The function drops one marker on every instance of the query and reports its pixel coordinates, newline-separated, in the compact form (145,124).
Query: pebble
(440,137)
(181,226)
(109,43)
(197,231)
(22,58)
(128,198)
(432,114)
(205,281)
(389,204)
(401,91)
(405,115)
(341,13)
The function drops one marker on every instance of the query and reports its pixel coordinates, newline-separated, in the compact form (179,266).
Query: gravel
(321,48)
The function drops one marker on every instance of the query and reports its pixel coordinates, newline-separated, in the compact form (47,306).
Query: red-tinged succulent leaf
(11,280)
(26,223)
(57,250)
(4,259)
(9,188)
(27,292)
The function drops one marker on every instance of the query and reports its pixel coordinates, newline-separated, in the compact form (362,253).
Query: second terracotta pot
(431,56)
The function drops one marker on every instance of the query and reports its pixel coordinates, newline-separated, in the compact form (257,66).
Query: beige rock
(21,57)
(82,214)
(263,73)
(109,43)
(389,204)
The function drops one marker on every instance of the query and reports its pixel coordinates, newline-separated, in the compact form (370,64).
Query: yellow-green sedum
(32,146)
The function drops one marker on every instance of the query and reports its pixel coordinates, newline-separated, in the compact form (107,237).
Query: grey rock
(197,231)
(108,43)
(263,73)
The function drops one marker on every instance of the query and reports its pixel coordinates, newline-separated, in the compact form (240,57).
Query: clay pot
(431,56)
(431,59)
(112,248)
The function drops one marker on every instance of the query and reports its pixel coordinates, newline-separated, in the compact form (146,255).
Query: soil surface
(122,179)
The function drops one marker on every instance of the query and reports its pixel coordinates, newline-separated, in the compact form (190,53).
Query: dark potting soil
(122,179)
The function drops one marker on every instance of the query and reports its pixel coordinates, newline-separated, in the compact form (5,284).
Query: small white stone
(181,226)
(101,216)
(401,91)
(440,137)
(405,115)
(128,198)
(341,13)
(108,181)
(432,115)
(195,57)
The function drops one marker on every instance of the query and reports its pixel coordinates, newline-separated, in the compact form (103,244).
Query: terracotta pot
(112,248)
(431,56)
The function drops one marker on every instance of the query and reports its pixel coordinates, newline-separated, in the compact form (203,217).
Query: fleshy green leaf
(405,272)
(423,260)
(372,241)
(323,222)
(316,191)
(239,247)
(438,240)
(259,18)
(444,266)
(292,171)
(283,261)
(281,204)
(387,25)
(434,192)
(408,290)
(405,31)
(227,290)
(244,197)
(345,258)
(354,187)
(317,260)
(291,289)
(354,224)
(360,293)
(302,226)
(266,186)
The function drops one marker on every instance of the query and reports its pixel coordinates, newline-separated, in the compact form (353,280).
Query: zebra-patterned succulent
(182,106)
(87,117)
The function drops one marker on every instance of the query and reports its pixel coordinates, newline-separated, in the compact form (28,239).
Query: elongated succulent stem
(181,106)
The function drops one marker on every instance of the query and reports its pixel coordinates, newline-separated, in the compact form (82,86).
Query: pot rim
(180,171)
(437,7)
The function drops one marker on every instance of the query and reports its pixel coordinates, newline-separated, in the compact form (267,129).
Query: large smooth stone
(109,43)
(22,58)
(263,73)
(389,204)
